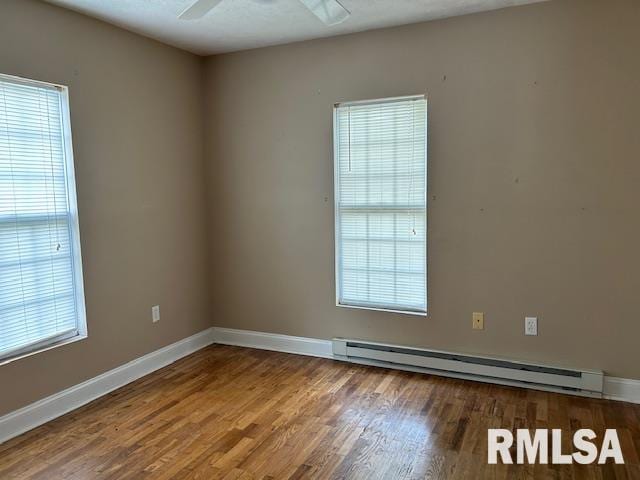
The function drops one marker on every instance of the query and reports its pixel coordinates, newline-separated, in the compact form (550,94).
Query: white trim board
(56,405)
(620,389)
(273,341)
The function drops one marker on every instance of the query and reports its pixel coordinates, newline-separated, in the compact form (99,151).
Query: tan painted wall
(136,110)
(534,181)
(533,177)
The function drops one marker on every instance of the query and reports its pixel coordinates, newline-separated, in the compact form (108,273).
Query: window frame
(81,331)
(336,192)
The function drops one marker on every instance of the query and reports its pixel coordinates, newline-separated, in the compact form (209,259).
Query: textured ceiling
(243,24)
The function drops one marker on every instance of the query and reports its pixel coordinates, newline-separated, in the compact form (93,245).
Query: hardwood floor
(235,413)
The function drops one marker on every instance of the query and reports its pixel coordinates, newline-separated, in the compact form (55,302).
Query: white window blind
(380,171)
(41,300)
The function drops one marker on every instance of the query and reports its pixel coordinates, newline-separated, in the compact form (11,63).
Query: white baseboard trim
(620,389)
(273,341)
(45,410)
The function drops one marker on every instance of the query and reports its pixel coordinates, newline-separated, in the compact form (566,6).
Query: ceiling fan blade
(198,10)
(330,12)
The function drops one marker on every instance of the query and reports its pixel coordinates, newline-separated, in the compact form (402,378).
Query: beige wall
(534,179)
(136,110)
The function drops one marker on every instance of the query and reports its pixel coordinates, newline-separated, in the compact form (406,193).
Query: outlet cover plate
(478,321)
(531,326)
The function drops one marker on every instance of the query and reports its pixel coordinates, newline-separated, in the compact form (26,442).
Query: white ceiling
(243,24)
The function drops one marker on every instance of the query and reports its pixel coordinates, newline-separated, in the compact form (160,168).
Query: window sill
(40,349)
(380,309)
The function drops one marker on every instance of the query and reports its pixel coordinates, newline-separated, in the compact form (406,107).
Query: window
(380,190)
(41,294)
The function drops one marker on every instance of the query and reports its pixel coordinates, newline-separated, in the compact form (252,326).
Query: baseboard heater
(485,369)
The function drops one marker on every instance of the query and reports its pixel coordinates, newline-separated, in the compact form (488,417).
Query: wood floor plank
(234,413)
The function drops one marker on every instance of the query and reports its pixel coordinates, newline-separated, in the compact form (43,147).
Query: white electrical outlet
(531,326)
(155,313)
